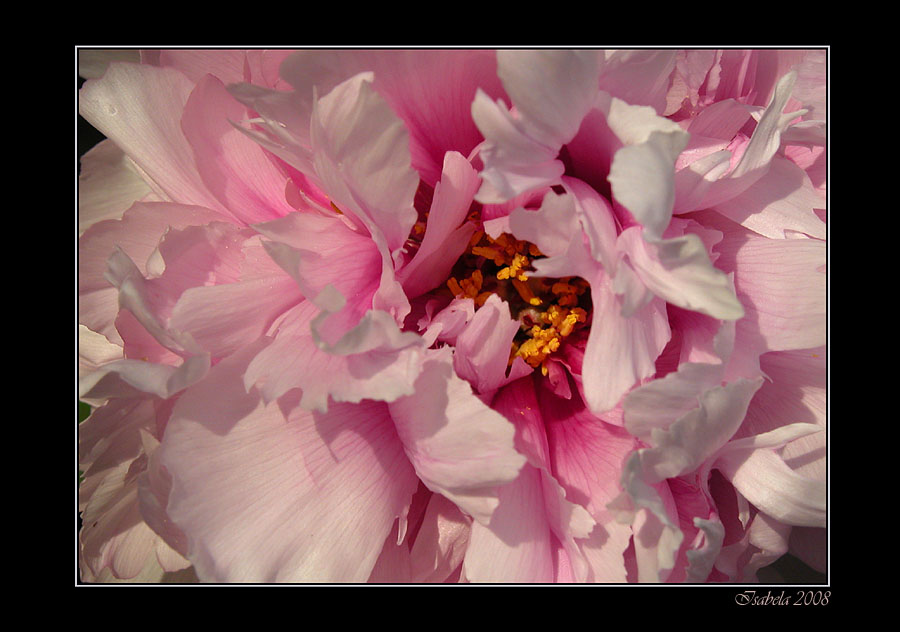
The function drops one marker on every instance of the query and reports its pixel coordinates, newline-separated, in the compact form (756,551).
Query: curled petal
(552,92)
(459,446)
(361,154)
(375,361)
(700,433)
(620,351)
(446,236)
(679,270)
(482,349)
(768,483)
(643,179)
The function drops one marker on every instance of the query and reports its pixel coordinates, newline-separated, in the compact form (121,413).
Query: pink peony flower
(453,315)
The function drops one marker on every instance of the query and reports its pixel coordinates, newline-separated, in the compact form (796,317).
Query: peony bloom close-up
(452,316)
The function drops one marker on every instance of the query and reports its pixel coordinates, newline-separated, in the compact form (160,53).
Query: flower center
(548,310)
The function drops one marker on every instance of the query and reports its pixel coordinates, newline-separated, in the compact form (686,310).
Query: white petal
(643,179)
(767,482)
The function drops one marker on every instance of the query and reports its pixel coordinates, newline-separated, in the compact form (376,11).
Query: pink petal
(233,167)
(720,121)
(551,89)
(639,77)
(586,456)
(310,498)
(294,360)
(769,540)
(115,538)
(679,271)
(94,350)
(361,154)
(795,393)
(482,349)
(620,351)
(146,124)
(225,64)
(781,284)
(585,452)
(782,200)
(517,546)
(597,220)
(441,542)
(656,544)
(222,318)
(534,518)
(319,251)
(763,145)
(702,558)
(693,181)
(514,163)
(393,564)
(551,228)
(282,125)
(699,434)
(652,513)
(446,236)
(654,406)
(129,378)
(194,256)
(642,178)
(154,486)
(110,437)
(459,447)
(431,90)
(448,323)
(768,483)
(93,63)
(138,234)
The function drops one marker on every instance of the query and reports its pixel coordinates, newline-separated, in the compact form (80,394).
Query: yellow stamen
(481,298)
(546,330)
(489,253)
(525,292)
(453,284)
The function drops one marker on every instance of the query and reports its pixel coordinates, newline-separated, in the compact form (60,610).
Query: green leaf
(84,411)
